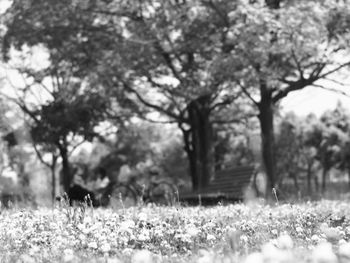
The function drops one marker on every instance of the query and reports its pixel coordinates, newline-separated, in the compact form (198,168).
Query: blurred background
(174,89)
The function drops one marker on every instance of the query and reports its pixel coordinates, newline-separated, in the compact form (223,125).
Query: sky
(314,100)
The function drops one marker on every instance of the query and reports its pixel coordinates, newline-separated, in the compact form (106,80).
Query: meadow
(252,233)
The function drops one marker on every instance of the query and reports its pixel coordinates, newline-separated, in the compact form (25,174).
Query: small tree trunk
(53,176)
(349,176)
(308,176)
(324,178)
(296,183)
(317,184)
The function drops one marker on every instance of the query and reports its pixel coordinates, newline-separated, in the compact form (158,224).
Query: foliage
(61,118)
(201,57)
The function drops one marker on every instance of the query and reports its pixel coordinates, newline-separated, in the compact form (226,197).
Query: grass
(252,232)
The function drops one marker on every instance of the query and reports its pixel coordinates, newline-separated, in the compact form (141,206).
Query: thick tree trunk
(266,114)
(199,142)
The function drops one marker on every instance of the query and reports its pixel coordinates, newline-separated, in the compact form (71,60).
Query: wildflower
(298,229)
(344,252)
(68,255)
(272,254)
(127,225)
(274,232)
(27,259)
(244,238)
(315,238)
(92,245)
(205,256)
(143,216)
(254,258)
(210,237)
(105,248)
(332,234)
(142,256)
(323,253)
(285,242)
(192,231)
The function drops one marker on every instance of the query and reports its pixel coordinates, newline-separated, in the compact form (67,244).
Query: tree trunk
(324,178)
(349,176)
(267,137)
(53,176)
(317,185)
(273,4)
(66,172)
(199,142)
(308,176)
(191,155)
(296,183)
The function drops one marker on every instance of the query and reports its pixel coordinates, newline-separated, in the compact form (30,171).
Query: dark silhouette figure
(77,193)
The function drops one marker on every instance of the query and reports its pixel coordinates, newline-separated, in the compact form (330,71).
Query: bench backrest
(231,182)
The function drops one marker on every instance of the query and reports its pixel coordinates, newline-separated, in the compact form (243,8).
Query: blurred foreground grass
(253,232)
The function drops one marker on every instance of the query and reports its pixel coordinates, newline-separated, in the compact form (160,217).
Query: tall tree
(285,47)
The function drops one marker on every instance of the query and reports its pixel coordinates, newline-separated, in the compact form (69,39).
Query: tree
(134,48)
(281,49)
(198,57)
(338,120)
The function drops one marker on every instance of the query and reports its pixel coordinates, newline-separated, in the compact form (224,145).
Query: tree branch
(247,94)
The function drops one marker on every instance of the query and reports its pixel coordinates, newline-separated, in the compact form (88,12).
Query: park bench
(229,185)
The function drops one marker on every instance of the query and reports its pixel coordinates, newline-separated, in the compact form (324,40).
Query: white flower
(192,231)
(105,247)
(92,245)
(344,250)
(210,237)
(323,253)
(285,242)
(254,258)
(272,254)
(244,238)
(142,256)
(299,229)
(68,255)
(142,216)
(274,232)
(205,256)
(127,226)
(315,238)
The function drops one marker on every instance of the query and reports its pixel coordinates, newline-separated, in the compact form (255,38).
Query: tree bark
(199,142)
(66,172)
(273,4)
(266,115)
(308,176)
(324,178)
(53,176)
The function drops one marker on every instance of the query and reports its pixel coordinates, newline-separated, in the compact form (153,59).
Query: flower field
(307,232)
